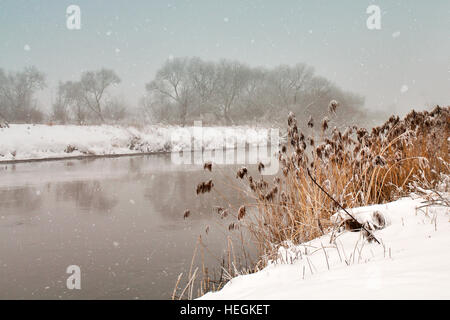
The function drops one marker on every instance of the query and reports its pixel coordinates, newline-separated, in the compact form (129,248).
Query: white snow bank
(22,141)
(412,263)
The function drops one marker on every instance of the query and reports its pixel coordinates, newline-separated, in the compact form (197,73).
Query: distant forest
(182,91)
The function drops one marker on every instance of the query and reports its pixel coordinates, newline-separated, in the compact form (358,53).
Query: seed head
(207,166)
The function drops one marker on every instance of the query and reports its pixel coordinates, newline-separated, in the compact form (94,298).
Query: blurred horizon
(399,67)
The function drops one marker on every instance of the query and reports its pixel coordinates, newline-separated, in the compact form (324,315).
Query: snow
(413,261)
(24,142)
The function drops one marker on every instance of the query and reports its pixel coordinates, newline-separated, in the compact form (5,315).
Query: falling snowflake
(26,47)
(117,50)
(396,34)
(226,19)
(404,88)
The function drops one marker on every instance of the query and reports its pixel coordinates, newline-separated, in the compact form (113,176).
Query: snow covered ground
(22,141)
(413,261)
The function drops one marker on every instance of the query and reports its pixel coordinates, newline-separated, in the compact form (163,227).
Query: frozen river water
(119,219)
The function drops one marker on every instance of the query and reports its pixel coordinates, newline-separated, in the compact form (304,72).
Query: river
(119,219)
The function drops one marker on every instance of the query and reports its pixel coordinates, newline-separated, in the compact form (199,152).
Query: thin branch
(339,205)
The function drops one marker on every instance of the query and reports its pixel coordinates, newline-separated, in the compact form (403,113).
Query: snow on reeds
(356,166)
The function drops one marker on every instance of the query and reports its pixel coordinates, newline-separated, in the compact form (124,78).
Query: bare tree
(16,94)
(232,77)
(60,108)
(233,91)
(204,78)
(3,100)
(173,82)
(70,103)
(93,86)
(115,109)
(254,100)
(287,83)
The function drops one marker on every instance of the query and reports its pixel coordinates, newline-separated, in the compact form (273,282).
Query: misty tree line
(183,90)
(229,92)
(78,102)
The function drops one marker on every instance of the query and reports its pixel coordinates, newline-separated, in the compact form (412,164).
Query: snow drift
(23,142)
(413,261)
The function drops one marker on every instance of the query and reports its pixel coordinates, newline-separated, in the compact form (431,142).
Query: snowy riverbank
(25,142)
(412,263)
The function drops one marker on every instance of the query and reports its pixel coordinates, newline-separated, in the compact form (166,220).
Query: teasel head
(241,172)
(186,214)
(325,124)
(436,111)
(291,119)
(319,150)
(310,122)
(294,142)
(242,212)
(332,106)
(205,187)
(252,186)
(336,136)
(207,166)
(301,137)
(283,148)
(379,161)
(260,166)
(269,196)
(262,184)
(224,214)
(311,141)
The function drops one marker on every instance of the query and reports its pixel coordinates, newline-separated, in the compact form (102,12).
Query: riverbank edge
(83,157)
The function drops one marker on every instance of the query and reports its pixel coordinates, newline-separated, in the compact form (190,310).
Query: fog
(400,66)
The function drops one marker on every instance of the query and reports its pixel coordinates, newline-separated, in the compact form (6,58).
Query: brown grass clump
(356,166)
(204,187)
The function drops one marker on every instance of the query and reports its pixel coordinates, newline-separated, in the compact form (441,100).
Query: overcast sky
(405,64)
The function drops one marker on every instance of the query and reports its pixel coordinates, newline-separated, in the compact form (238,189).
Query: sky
(403,65)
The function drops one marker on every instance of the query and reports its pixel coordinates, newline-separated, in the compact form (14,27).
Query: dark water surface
(120,220)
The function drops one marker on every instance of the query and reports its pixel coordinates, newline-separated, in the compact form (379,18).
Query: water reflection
(120,220)
(21,201)
(88,196)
